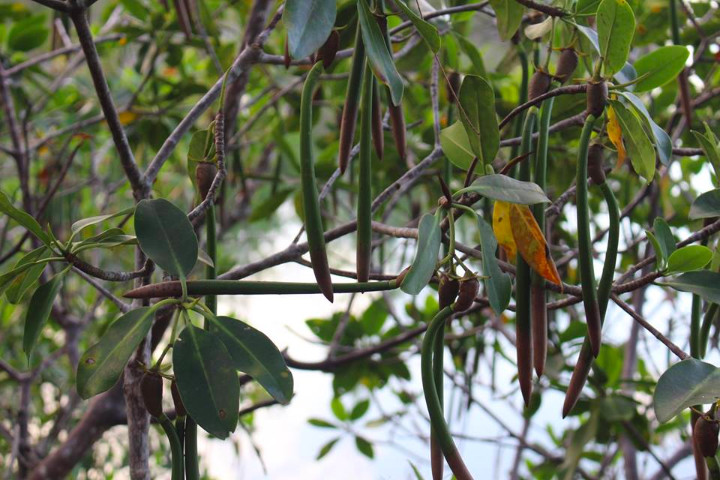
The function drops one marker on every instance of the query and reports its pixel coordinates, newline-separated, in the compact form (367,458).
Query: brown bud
(566,65)
(705,436)
(327,52)
(447,291)
(179,406)
(151,387)
(466,296)
(539,84)
(595,164)
(597,93)
(204,175)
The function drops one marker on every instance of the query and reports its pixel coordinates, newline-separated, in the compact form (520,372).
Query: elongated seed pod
(705,436)
(204,175)
(596,97)
(177,401)
(595,164)
(327,52)
(364,200)
(151,387)
(378,135)
(286,54)
(523,328)
(466,295)
(566,65)
(176,451)
(539,84)
(397,126)
(352,97)
(434,406)
(453,87)
(585,259)
(437,462)
(448,289)
(311,204)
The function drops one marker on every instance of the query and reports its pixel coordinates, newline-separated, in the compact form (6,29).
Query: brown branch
(541,7)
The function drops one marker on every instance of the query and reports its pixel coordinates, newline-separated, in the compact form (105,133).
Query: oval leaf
(26,278)
(39,311)
(206,380)
(660,66)
(427,31)
(86,222)
(423,266)
(640,148)
(24,219)
(703,283)
(706,205)
(101,365)
(663,143)
(509,14)
(507,189)
(531,243)
(689,258)
(615,29)
(478,117)
(255,354)
(308,25)
(497,283)
(687,383)
(456,145)
(166,236)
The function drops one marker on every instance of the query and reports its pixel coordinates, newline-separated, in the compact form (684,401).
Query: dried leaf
(502,229)
(531,243)
(615,134)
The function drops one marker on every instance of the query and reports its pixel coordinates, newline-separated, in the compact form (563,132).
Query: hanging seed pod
(705,436)
(177,401)
(468,290)
(566,65)
(364,198)
(447,291)
(597,93)
(397,125)
(538,322)
(539,84)
(595,164)
(327,52)
(378,135)
(151,387)
(204,175)
(352,98)
(286,54)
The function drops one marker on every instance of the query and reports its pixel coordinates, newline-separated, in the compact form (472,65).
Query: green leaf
(166,236)
(25,279)
(660,257)
(663,143)
(497,283)
(703,282)
(338,409)
(326,448)
(427,31)
(509,14)
(640,148)
(617,408)
(428,246)
(660,66)
(615,29)
(576,444)
(86,222)
(360,409)
(415,470)
(706,205)
(264,209)
(664,236)
(478,103)
(308,25)
(476,59)
(507,189)
(709,145)
(689,258)
(378,54)
(38,312)
(364,447)
(254,353)
(320,423)
(101,365)
(687,383)
(456,145)
(24,219)
(587,7)
(207,381)
(28,34)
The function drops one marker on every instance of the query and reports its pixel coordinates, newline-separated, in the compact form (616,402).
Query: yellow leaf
(503,232)
(531,243)
(127,117)
(615,134)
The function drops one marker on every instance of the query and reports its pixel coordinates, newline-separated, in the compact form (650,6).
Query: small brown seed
(469,288)
(566,65)
(595,164)
(151,387)
(539,84)
(204,175)
(705,436)
(597,93)
(179,405)
(447,291)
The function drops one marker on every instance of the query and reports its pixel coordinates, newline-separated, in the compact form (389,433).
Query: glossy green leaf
(377,52)
(707,205)
(326,448)
(264,209)
(703,282)
(617,408)
(689,258)
(427,31)
(664,236)
(166,236)
(663,143)
(255,354)
(38,312)
(456,145)
(660,257)
(25,279)
(364,447)
(28,34)
(478,103)
(24,219)
(473,53)
(710,145)
(615,28)
(507,189)
(103,363)
(207,380)
(359,409)
(587,7)
(509,14)
(685,384)
(320,423)
(428,246)
(308,25)
(7,278)
(660,66)
(498,284)
(640,148)
(86,222)
(338,409)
